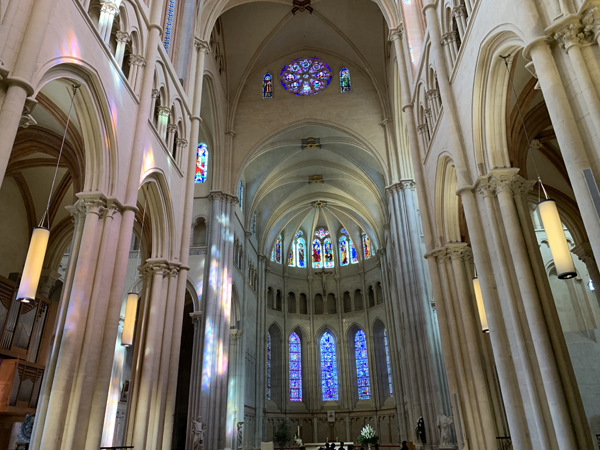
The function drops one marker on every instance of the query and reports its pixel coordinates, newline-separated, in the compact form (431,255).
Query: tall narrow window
(267,86)
(301,252)
(344,251)
(201,163)
(345,85)
(254,224)
(350,248)
(292,255)
(295,368)
(241,194)
(276,252)
(317,256)
(387,360)
(268,366)
(328,253)
(169,25)
(368,251)
(329,375)
(362,366)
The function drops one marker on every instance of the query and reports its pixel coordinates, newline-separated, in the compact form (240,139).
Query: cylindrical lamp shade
(557,241)
(33,265)
(129,323)
(480,306)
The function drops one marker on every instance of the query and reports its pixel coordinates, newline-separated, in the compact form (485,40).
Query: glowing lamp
(129,324)
(480,306)
(556,239)
(33,265)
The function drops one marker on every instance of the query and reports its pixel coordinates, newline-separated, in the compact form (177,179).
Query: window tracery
(322,250)
(305,76)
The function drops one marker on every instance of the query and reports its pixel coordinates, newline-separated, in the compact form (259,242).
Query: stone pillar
(48,281)
(163,120)
(182,145)
(19,79)
(459,254)
(108,11)
(75,351)
(194,421)
(261,345)
(170,141)
(135,74)
(571,38)
(122,39)
(235,392)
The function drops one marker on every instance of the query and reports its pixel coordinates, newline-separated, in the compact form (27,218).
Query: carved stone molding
(201,46)
(26,118)
(459,11)
(432,94)
(171,128)
(138,60)
(460,251)
(181,143)
(155,93)
(570,35)
(196,319)
(584,253)
(590,22)
(154,267)
(397,33)
(408,185)
(122,36)
(164,111)
(109,7)
(422,129)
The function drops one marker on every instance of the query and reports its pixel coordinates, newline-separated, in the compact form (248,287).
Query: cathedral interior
(244,225)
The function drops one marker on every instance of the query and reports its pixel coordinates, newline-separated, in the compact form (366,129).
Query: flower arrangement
(368,436)
(299,442)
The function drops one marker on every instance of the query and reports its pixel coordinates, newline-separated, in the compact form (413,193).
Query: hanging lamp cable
(512,85)
(46,214)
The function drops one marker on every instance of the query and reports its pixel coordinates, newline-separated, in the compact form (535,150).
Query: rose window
(306,76)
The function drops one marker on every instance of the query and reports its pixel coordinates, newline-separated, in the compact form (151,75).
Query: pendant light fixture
(557,241)
(480,305)
(41,234)
(133,297)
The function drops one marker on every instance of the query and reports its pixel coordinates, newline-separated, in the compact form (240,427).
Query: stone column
(108,11)
(182,144)
(261,344)
(235,392)
(150,345)
(122,39)
(102,380)
(135,74)
(170,141)
(19,79)
(459,253)
(163,119)
(571,38)
(194,421)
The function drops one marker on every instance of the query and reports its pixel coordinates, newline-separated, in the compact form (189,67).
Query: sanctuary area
(300,224)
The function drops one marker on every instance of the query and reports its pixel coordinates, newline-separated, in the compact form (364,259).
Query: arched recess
(236,313)
(450,223)
(358,390)
(303,335)
(328,357)
(199,232)
(275,369)
(382,363)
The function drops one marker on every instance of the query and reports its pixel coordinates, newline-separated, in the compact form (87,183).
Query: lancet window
(297,254)
(367,249)
(295,368)
(276,252)
(347,250)
(345,85)
(329,373)
(322,250)
(169,25)
(268,366)
(268,86)
(387,360)
(362,366)
(201,163)
(241,194)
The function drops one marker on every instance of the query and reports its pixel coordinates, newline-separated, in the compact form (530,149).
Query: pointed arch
(345,83)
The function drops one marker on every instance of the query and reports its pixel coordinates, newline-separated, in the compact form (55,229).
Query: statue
(420,431)
(198,430)
(443,425)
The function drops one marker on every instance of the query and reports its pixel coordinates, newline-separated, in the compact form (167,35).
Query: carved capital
(26,118)
(459,11)
(433,94)
(181,143)
(591,24)
(397,33)
(459,252)
(584,253)
(171,128)
(155,93)
(164,111)
(109,7)
(570,35)
(122,36)
(138,60)
(201,46)
(196,319)
(422,128)
(248,234)
(408,185)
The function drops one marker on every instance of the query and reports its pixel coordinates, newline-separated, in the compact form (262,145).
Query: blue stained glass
(305,76)
(353,254)
(345,84)
(329,375)
(344,253)
(387,360)
(295,368)
(268,86)
(321,233)
(201,163)
(169,25)
(268,366)
(362,366)
(298,234)
(241,195)
(301,252)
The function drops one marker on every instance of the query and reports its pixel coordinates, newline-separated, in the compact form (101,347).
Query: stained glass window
(306,76)
(328,253)
(295,368)
(353,254)
(298,234)
(276,252)
(345,85)
(387,360)
(292,255)
(301,253)
(368,251)
(329,375)
(241,194)
(254,224)
(201,163)
(317,257)
(321,233)
(169,25)
(362,366)
(268,86)
(344,253)
(268,366)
